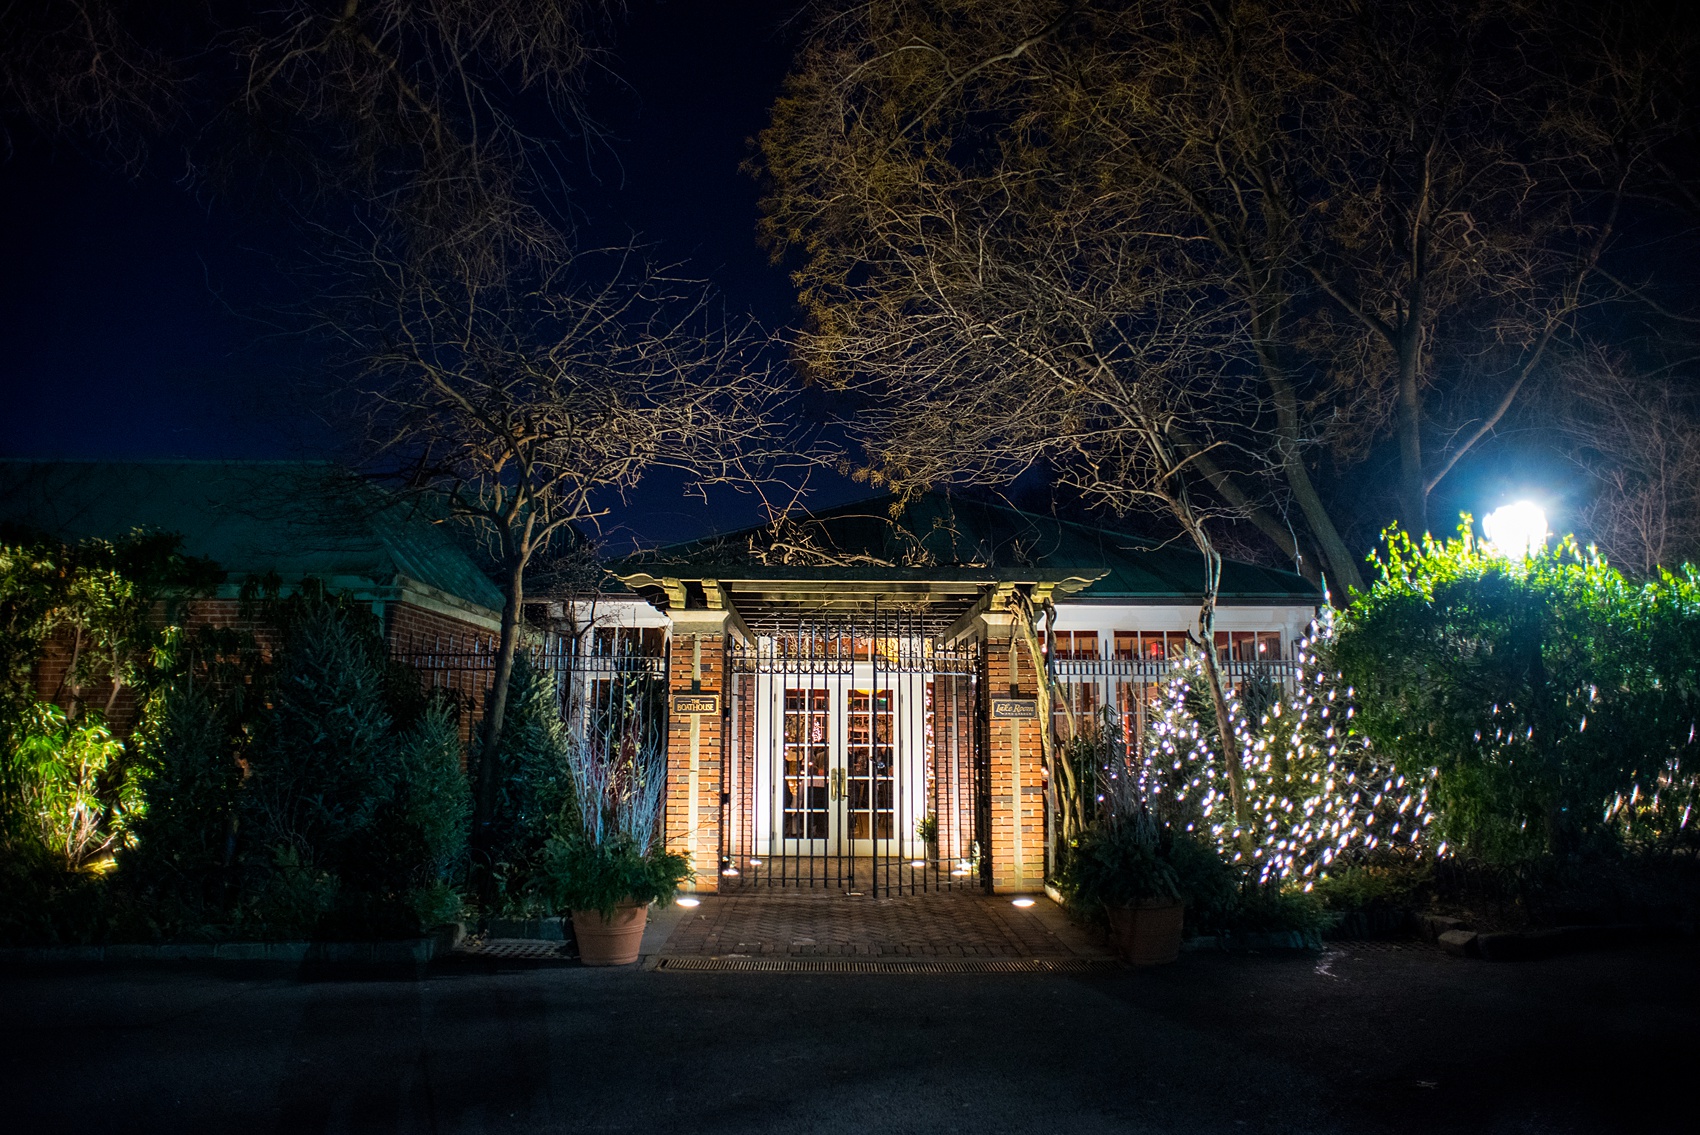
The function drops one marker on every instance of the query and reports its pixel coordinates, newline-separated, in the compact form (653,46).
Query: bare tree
(994,336)
(1637,436)
(532,404)
(1362,195)
(421,146)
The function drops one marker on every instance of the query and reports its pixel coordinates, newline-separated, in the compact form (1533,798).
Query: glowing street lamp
(1516,531)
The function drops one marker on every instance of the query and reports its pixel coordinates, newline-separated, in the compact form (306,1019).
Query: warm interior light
(690,902)
(1516,531)
(1024,902)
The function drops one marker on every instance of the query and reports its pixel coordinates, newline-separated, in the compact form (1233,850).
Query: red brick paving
(947,925)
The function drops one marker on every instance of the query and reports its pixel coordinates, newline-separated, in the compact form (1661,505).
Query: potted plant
(1118,870)
(609,865)
(609,887)
(927,828)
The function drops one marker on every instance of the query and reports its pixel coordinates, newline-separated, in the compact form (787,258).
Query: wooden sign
(1015,709)
(688,704)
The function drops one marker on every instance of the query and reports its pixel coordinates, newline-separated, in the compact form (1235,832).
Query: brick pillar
(696,664)
(1017,838)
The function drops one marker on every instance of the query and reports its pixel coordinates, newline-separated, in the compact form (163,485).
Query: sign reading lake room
(1015,709)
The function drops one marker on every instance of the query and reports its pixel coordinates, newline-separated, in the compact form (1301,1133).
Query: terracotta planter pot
(610,941)
(1148,933)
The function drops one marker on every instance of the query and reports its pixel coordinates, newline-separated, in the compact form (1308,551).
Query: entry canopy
(933,556)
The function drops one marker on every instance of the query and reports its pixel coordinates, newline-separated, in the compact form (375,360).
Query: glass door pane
(871,797)
(805,789)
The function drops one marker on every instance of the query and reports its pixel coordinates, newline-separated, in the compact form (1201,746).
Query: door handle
(838,784)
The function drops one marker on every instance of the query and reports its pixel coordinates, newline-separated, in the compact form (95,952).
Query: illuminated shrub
(1313,790)
(1554,700)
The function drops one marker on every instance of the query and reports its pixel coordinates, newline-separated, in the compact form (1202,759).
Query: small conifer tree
(189,779)
(326,765)
(535,783)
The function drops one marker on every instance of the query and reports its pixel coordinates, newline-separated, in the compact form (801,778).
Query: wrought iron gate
(854,760)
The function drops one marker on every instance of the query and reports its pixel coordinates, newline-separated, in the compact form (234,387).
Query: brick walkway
(948,925)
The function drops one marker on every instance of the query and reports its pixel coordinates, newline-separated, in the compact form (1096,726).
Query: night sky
(138,320)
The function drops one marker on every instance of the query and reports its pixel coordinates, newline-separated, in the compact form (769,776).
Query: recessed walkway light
(689,902)
(917,863)
(729,871)
(1023,902)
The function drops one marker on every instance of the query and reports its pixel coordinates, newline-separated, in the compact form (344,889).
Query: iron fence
(1130,687)
(594,692)
(853,760)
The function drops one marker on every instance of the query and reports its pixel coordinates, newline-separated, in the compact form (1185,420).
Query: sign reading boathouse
(689,704)
(1015,709)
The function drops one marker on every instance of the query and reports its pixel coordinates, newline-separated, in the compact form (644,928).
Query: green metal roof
(938,538)
(294,518)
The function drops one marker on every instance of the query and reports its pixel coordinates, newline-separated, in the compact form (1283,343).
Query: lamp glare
(1023,902)
(1516,531)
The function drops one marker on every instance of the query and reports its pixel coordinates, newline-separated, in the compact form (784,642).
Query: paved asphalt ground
(1359,1040)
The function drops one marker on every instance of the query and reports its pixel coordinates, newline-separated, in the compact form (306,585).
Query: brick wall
(51,672)
(411,632)
(694,755)
(1017,780)
(449,654)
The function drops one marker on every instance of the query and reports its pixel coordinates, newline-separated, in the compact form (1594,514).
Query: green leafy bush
(288,899)
(326,763)
(1365,887)
(73,785)
(1118,862)
(1552,701)
(1268,908)
(433,796)
(1210,885)
(581,875)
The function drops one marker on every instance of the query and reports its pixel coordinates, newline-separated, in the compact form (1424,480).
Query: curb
(415,951)
(1511,946)
(1257,942)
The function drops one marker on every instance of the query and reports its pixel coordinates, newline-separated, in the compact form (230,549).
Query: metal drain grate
(869,965)
(509,949)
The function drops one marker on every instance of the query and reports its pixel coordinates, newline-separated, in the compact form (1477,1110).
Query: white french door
(837,791)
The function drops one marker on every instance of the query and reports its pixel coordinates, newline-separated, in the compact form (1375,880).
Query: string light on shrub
(1312,785)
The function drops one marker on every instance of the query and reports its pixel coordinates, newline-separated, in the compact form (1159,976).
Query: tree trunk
(1340,561)
(484,804)
(1413,501)
(1061,792)
(1229,744)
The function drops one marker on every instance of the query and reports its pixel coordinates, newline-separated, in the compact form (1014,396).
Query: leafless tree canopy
(1637,437)
(1293,222)
(432,119)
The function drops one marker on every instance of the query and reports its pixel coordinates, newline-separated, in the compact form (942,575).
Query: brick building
(288,519)
(850,705)
(846,704)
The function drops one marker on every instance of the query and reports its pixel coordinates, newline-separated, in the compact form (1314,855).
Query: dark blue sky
(136,323)
(136,318)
